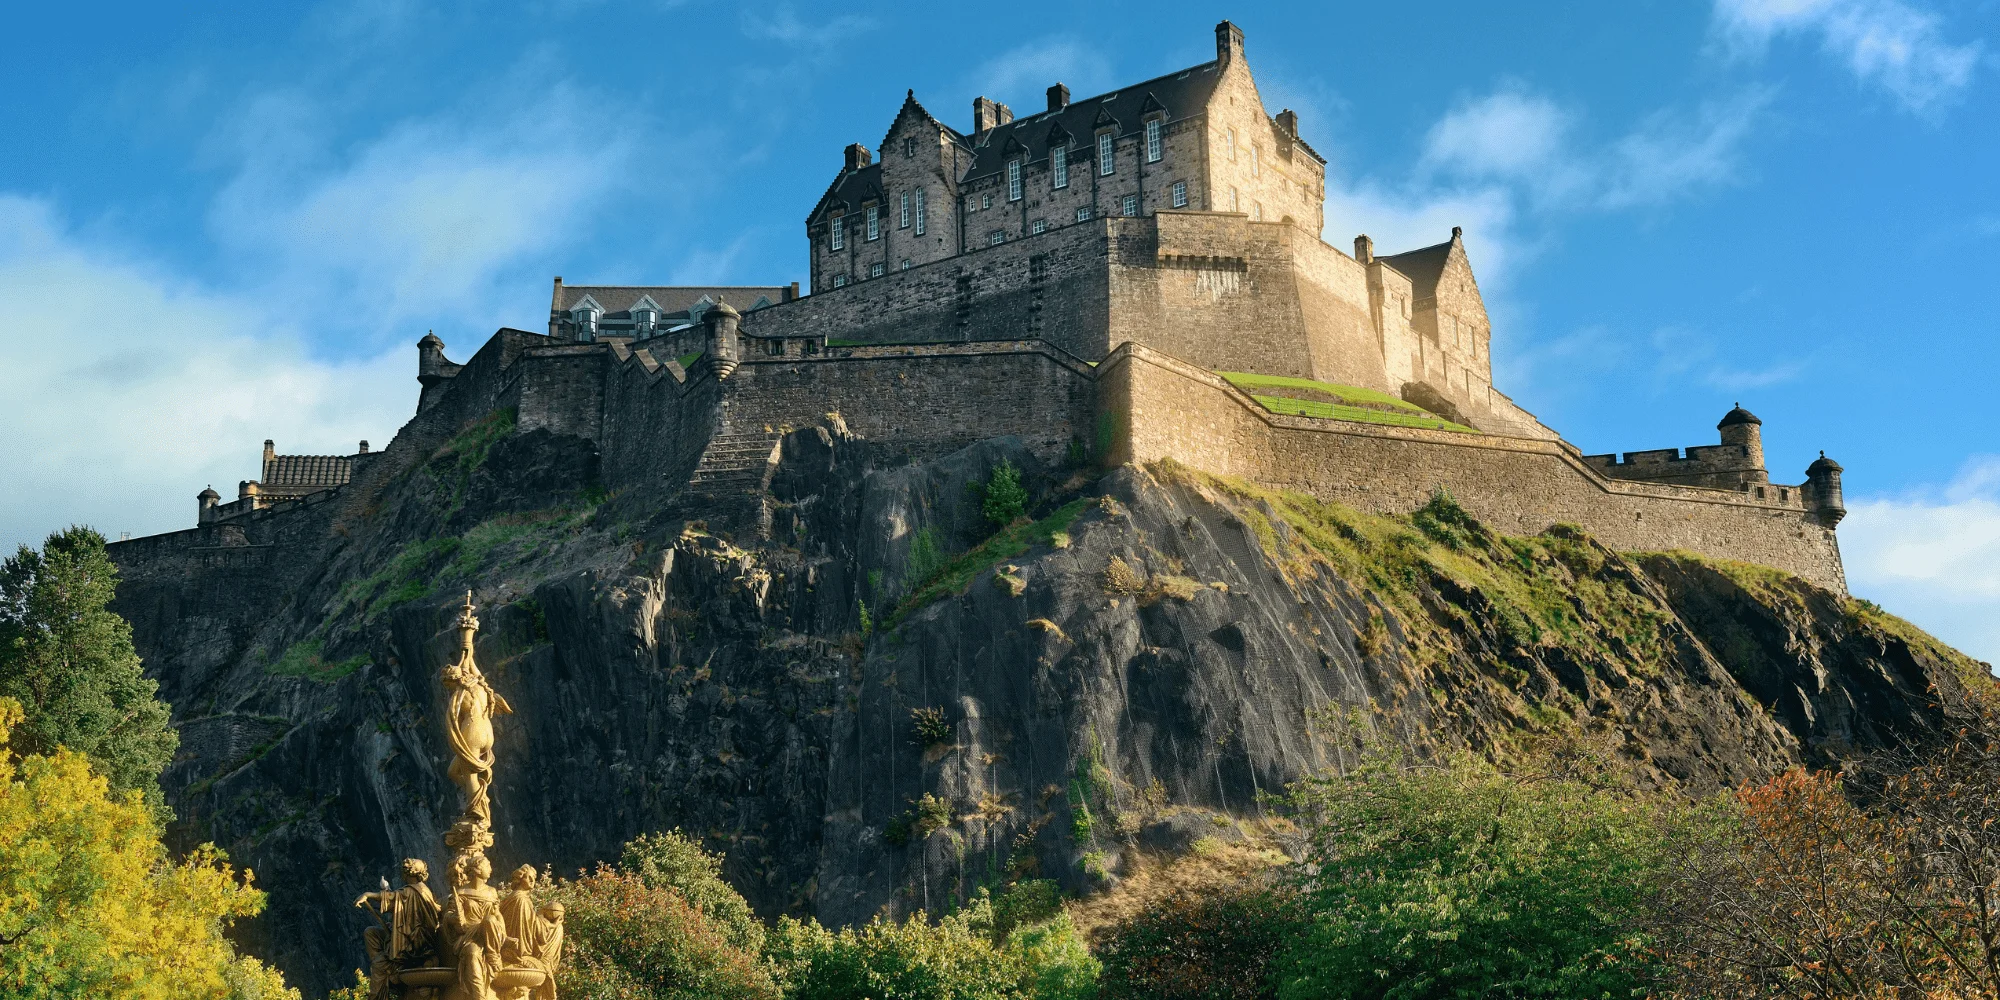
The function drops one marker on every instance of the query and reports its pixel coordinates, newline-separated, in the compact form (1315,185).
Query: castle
(1133,277)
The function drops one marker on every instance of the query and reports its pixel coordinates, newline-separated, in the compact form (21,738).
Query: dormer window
(643,320)
(837,234)
(1105,161)
(1059,165)
(586,317)
(1153,141)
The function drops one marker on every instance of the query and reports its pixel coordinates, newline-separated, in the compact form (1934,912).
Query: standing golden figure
(480,945)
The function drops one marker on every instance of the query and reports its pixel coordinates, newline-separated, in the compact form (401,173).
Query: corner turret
(1823,484)
(1742,429)
(722,320)
(205,502)
(432,369)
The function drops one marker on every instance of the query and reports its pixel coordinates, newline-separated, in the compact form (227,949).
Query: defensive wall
(1157,407)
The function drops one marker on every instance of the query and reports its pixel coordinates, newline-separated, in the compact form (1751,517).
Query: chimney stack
(364,448)
(1228,42)
(1058,97)
(857,156)
(1364,249)
(987,114)
(1288,122)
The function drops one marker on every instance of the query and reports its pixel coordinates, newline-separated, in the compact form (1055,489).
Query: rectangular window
(1153,141)
(903,220)
(906,263)
(1013,180)
(1131,204)
(1104,159)
(1230,141)
(874,222)
(1083,214)
(920,212)
(1039,226)
(1059,165)
(1254,171)
(875,270)
(1257,210)
(1180,194)
(985,201)
(1233,206)
(996,237)
(840,281)
(839,238)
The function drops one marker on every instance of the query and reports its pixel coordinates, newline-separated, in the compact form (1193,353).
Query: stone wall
(1154,407)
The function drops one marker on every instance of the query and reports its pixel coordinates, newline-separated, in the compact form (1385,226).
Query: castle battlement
(1080,330)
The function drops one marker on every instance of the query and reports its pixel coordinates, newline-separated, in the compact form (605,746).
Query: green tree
(1005,498)
(1206,942)
(1463,880)
(92,906)
(69,661)
(628,940)
(672,861)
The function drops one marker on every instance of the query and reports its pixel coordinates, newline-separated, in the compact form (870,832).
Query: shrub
(930,726)
(672,860)
(1217,942)
(627,940)
(1461,880)
(1005,498)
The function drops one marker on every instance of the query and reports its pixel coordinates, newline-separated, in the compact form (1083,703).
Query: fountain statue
(480,944)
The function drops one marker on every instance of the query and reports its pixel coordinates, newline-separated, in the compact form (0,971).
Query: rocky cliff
(886,703)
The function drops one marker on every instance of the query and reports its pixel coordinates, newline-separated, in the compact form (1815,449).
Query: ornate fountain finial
(479,944)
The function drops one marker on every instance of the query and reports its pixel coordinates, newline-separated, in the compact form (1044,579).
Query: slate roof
(1180,94)
(849,190)
(618,300)
(307,470)
(1423,267)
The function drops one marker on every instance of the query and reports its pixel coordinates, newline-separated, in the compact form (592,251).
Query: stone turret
(430,361)
(722,320)
(1741,428)
(205,502)
(1823,486)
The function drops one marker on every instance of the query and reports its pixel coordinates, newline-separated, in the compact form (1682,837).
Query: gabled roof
(910,109)
(849,190)
(1423,267)
(618,300)
(1180,95)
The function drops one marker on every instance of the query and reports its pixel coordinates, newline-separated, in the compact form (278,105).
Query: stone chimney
(1228,43)
(205,502)
(988,114)
(857,156)
(722,320)
(1288,123)
(1364,249)
(364,448)
(1058,97)
(1823,479)
(270,450)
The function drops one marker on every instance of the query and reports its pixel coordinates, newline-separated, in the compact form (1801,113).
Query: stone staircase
(730,488)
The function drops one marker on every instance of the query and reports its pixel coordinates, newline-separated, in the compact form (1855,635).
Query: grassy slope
(1348,402)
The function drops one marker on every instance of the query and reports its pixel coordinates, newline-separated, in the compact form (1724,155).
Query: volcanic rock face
(886,704)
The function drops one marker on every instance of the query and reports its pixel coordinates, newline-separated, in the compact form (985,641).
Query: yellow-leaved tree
(91,904)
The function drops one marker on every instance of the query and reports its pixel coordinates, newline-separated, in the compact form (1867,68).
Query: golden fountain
(480,945)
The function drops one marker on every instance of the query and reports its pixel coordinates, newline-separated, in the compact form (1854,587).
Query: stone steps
(729,487)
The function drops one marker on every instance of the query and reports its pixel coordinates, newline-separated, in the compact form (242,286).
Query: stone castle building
(1134,276)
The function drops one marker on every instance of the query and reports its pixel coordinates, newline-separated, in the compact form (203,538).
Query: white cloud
(421,220)
(1021,76)
(125,388)
(1933,556)
(1527,142)
(1887,43)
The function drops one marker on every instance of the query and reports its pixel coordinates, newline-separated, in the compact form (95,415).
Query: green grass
(686,361)
(958,573)
(303,659)
(1343,402)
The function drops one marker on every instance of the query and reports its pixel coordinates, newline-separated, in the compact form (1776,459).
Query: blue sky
(231,225)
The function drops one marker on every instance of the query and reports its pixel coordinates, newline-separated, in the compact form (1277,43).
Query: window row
(910,214)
